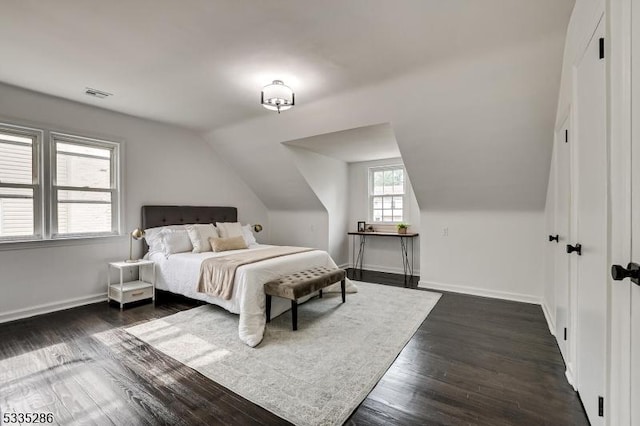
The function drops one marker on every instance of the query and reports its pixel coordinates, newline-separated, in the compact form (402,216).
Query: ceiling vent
(97,93)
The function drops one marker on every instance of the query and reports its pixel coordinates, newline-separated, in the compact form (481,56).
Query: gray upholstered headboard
(153,216)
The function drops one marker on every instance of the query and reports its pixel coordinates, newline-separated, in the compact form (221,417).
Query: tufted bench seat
(300,284)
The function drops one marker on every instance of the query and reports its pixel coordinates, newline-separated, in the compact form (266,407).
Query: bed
(178,273)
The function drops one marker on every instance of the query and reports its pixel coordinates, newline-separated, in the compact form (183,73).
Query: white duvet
(179,274)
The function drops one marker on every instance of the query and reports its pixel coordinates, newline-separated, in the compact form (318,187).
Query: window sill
(58,242)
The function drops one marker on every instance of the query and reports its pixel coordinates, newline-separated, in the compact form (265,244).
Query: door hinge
(600,406)
(565,333)
(601,55)
(566,135)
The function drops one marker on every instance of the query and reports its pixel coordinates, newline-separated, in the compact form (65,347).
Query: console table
(405,240)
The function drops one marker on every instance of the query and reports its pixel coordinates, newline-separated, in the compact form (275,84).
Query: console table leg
(405,258)
(360,258)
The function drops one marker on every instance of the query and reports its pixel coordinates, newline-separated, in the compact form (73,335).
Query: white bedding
(179,274)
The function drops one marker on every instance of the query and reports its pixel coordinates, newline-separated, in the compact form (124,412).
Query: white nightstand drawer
(131,291)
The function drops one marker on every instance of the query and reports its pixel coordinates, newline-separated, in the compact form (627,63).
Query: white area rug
(315,376)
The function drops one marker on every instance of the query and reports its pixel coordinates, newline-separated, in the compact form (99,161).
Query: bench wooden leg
(320,293)
(268,308)
(343,287)
(294,314)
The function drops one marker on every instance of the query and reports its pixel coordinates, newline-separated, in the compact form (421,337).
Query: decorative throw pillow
(249,238)
(229,229)
(153,237)
(175,241)
(199,236)
(225,244)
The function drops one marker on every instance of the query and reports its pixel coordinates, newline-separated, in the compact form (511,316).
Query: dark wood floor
(473,361)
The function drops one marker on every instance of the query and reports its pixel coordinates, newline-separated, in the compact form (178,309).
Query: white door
(635,214)
(550,252)
(561,229)
(590,145)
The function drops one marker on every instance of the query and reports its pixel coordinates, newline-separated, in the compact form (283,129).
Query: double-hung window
(387,194)
(66,188)
(20,184)
(85,193)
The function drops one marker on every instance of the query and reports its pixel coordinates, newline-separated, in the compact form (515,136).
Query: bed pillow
(249,238)
(225,244)
(175,241)
(199,235)
(153,237)
(229,229)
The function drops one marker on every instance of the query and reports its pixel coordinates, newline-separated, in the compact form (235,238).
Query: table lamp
(136,234)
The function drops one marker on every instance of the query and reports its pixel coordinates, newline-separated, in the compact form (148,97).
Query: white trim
(550,320)
(621,30)
(52,307)
(570,376)
(494,294)
(60,242)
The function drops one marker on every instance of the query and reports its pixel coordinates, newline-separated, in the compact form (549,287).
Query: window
(65,189)
(20,187)
(386,194)
(84,186)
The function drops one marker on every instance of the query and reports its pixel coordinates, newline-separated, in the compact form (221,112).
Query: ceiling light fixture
(277,96)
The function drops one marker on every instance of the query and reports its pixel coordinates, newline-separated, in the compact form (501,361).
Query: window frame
(43,167)
(36,185)
(371,196)
(114,190)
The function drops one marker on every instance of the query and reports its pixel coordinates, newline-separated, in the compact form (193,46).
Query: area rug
(314,376)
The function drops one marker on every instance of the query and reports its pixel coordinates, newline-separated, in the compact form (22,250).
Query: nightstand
(131,291)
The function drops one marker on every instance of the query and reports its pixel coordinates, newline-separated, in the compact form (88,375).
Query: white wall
(162,165)
(299,228)
(489,253)
(381,254)
(329,179)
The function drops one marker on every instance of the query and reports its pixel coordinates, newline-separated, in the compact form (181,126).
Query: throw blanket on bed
(217,274)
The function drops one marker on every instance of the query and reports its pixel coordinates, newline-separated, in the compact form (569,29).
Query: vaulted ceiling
(469,87)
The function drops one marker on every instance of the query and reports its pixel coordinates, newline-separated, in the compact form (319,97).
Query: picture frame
(361,226)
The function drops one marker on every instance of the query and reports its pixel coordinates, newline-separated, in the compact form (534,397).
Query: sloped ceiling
(367,143)
(469,87)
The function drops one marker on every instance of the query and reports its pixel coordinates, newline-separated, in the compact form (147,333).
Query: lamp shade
(137,233)
(277,96)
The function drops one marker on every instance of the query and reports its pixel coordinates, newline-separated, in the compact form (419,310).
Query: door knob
(554,238)
(577,248)
(619,273)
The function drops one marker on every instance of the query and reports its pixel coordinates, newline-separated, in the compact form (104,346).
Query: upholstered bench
(300,284)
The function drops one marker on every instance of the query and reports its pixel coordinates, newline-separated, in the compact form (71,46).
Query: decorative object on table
(369,229)
(136,234)
(361,226)
(257,227)
(402,228)
(277,96)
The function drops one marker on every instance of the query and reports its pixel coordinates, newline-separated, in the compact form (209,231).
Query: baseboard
(494,294)
(387,269)
(51,307)
(570,377)
(550,321)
